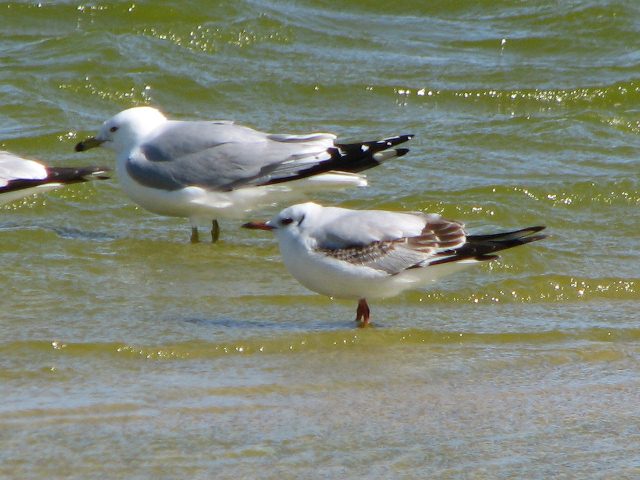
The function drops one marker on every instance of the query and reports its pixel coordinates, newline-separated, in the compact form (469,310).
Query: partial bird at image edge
(21,177)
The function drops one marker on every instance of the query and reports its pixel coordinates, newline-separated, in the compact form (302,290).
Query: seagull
(361,254)
(20,177)
(205,170)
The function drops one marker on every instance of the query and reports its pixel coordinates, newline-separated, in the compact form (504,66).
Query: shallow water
(127,352)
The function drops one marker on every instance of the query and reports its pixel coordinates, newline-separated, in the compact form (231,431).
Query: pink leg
(363,313)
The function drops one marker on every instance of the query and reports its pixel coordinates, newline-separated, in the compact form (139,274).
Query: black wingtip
(484,247)
(356,157)
(484,244)
(504,236)
(528,239)
(80,174)
(392,141)
(350,157)
(58,175)
(530,230)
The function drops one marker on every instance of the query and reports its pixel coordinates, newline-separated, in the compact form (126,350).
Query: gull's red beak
(257,226)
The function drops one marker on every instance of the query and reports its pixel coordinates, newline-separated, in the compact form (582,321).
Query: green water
(126,352)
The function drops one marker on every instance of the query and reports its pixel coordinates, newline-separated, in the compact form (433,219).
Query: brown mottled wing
(394,256)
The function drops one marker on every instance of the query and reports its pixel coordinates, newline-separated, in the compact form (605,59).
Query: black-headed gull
(20,177)
(364,254)
(205,170)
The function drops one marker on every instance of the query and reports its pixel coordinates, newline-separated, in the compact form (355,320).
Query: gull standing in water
(205,170)
(363,254)
(20,177)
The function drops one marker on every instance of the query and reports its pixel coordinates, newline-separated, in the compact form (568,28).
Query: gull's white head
(293,221)
(125,129)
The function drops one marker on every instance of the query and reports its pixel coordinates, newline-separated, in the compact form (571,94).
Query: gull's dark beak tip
(87,143)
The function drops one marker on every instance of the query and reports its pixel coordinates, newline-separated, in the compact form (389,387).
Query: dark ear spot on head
(301,220)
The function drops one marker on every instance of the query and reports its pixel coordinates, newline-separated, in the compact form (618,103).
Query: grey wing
(394,256)
(218,155)
(294,157)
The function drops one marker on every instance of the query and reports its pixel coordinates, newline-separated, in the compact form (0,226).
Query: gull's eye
(286,221)
(113,129)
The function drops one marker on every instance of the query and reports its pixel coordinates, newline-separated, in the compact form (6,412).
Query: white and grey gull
(205,170)
(365,254)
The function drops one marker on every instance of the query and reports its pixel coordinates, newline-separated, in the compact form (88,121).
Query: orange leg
(363,313)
